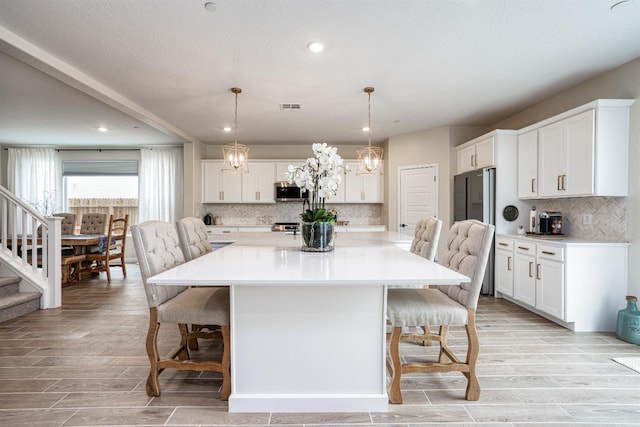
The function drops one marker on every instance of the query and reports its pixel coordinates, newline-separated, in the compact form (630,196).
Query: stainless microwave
(286,192)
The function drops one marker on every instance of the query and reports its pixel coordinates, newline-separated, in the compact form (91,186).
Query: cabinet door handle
(257,195)
(530,269)
(533,185)
(559,182)
(523,248)
(476,159)
(548,253)
(538,271)
(222,195)
(564,182)
(471,159)
(509,263)
(502,244)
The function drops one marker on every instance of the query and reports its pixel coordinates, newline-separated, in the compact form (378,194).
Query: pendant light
(369,158)
(236,156)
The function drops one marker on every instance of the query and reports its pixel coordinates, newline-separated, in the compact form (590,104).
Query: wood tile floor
(85,365)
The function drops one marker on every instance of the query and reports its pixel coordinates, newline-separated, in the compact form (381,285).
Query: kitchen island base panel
(309,403)
(308,349)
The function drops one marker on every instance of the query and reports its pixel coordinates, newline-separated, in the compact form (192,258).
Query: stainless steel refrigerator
(474,198)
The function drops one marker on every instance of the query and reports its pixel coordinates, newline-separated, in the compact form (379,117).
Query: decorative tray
(547,236)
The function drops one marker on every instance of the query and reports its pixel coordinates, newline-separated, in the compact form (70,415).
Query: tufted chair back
(93,223)
(193,237)
(68,225)
(68,222)
(468,248)
(158,250)
(425,242)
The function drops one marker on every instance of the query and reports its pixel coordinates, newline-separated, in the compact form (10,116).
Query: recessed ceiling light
(365,129)
(315,46)
(102,129)
(227,129)
(210,6)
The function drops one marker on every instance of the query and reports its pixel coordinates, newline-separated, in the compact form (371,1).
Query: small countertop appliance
(550,223)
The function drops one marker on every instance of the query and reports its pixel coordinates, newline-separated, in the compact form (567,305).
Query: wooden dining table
(79,242)
(76,240)
(308,329)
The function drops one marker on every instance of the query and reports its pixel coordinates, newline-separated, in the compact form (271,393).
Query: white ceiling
(160,71)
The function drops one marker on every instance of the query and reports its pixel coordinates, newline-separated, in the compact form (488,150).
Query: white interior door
(417,195)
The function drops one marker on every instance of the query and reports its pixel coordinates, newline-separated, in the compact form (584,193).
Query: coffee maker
(550,223)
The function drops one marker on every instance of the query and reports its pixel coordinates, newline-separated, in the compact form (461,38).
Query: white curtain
(33,175)
(161,181)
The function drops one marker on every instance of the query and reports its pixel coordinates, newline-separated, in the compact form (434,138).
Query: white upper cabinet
(220,187)
(361,188)
(528,164)
(258,184)
(566,150)
(476,154)
(582,152)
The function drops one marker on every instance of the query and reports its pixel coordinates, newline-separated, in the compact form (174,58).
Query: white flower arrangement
(321,176)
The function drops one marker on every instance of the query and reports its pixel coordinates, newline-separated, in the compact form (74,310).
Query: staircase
(14,303)
(28,283)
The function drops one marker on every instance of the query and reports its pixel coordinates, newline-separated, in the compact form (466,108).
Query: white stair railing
(30,247)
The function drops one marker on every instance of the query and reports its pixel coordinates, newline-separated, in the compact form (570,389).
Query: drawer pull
(503,244)
(548,253)
(523,248)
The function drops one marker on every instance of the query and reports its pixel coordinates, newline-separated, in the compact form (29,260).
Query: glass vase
(628,326)
(317,236)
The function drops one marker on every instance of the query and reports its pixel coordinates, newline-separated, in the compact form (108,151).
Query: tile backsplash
(608,217)
(255,214)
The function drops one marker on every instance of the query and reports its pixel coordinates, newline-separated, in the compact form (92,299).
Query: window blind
(99,167)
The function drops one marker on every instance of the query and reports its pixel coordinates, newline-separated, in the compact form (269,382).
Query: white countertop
(562,240)
(276,259)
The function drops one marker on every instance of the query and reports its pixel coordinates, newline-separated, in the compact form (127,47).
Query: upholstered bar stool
(468,247)
(158,250)
(194,243)
(425,244)
(192,233)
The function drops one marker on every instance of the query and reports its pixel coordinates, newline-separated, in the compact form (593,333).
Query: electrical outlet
(586,219)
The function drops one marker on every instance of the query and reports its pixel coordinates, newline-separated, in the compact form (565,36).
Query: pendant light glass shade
(236,156)
(369,158)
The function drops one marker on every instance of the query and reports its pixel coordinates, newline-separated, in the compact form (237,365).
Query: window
(109,187)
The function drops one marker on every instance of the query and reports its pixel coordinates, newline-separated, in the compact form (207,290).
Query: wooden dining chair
(468,248)
(114,248)
(158,249)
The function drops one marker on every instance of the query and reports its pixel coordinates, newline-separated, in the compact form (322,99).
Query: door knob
(403,225)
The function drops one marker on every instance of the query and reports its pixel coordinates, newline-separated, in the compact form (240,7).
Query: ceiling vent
(290,107)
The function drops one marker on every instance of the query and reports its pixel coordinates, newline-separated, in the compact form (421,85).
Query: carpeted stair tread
(8,286)
(19,298)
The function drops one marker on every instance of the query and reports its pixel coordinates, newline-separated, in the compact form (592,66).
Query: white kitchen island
(308,328)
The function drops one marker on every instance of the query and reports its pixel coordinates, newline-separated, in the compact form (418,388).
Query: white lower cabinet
(504,266)
(524,279)
(550,280)
(580,285)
